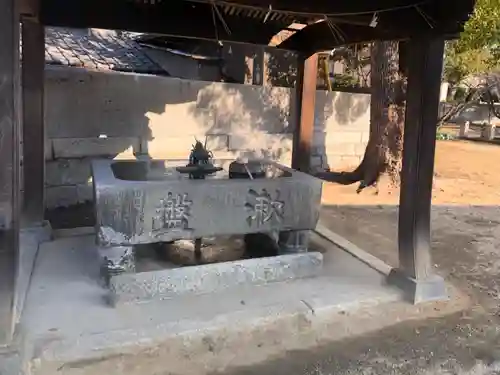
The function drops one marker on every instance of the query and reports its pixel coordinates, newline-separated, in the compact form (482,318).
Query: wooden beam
(400,25)
(173,18)
(9,166)
(33,64)
(326,6)
(29,8)
(305,99)
(415,273)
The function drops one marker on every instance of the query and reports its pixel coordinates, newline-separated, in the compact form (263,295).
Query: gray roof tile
(97,49)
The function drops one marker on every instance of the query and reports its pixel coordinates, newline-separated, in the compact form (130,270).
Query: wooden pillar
(9,165)
(33,64)
(307,72)
(415,273)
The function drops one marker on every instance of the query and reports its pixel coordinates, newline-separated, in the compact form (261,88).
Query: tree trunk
(383,154)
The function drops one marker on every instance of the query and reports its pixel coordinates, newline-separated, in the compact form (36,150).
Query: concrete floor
(67,327)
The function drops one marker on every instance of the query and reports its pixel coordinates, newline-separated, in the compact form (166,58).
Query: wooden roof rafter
(330,23)
(175,18)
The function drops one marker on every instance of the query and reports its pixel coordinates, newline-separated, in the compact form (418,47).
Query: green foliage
(345,80)
(478,49)
(444,137)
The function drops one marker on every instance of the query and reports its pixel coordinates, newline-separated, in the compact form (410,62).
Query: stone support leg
(116,260)
(293,242)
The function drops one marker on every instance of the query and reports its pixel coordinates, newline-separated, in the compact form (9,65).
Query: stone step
(209,278)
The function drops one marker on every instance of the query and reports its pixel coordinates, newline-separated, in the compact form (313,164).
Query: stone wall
(100,114)
(475,113)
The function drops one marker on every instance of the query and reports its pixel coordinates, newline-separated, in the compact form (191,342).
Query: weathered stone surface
(85,147)
(365,136)
(359,149)
(84,192)
(116,259)
(168,147)
(48,149)
(316,162)
(67,172)
(122,105)
(60,196)
(139,287)
(338,111)
(29,240)
(68,195)
(274,143)
(293,241)
(134,212)
(349,161)
(213,250)
(341,137)
(464,129)
(347,149)
(488,133)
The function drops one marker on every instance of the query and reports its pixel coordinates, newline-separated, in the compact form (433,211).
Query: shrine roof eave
(241,21)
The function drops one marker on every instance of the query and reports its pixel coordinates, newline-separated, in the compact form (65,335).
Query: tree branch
(343,178)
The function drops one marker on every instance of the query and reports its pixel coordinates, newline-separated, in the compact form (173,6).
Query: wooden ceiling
(330,23)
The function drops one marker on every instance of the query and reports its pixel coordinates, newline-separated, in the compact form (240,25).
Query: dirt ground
(465,173)
(465,250)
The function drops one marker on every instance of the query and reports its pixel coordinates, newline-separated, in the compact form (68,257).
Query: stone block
(332,161)
(488,132)
(251,141)
(180,147)
(365,136)
(115,104)
(157,285)
(138,212)
(350,161)
(61,196)
(316,161)
(464,129)
(29,239)
(318,150)
(67,172)
(475,113)
(345,112)
(432,288)
(84,193)
(336,137)
(344,149)
(126,105)
(5,215)
(49,152)
(276,147)
(245,108)
(293,242)
(181,119)
(116,259)
(359,149)
(120,147)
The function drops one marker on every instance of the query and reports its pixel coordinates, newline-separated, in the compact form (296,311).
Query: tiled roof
(97,49)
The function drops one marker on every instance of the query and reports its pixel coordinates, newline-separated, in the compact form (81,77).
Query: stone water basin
(138,202)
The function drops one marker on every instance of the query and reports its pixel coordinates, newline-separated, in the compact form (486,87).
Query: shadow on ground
(461,343)
(465,249)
